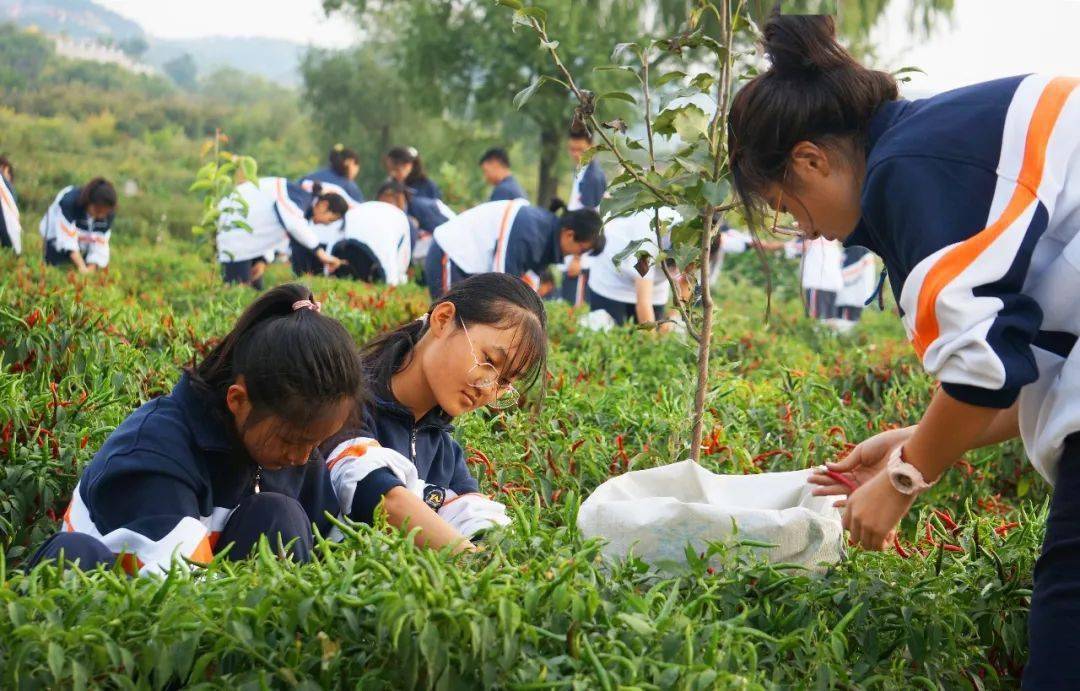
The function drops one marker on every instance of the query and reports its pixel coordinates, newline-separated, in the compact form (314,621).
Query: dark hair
(580,133)
(339,156)
(494,299)
(497,154)
(813,91)
(98,192)
(295,362)
(335,203)
(586,224)
(5,162)
(402,155)
(392,186)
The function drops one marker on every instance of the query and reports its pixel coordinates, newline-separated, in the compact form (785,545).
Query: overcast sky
(302,21)
(985,39)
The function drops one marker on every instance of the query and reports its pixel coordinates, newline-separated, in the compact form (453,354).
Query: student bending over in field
(485,334)
(78,225)
(230,455)
(277,210)
(508,237)
(374,239)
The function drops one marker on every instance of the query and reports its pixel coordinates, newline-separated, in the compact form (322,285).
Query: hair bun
(803,45)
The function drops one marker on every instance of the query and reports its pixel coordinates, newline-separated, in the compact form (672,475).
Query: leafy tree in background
(22,57)
(135,46)
(182,70)
(457,59)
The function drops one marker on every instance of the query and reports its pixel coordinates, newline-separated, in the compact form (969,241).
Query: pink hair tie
(313,305)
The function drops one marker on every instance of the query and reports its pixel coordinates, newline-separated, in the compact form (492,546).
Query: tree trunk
(551,141)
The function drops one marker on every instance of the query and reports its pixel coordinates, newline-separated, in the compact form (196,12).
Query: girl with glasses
(477,342)
(972,200)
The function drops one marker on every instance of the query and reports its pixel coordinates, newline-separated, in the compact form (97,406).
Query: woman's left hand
(872,512)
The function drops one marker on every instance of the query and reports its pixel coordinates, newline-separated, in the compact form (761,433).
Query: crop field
(537,608)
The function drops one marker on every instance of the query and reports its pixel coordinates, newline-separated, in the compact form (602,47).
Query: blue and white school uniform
(276,211)
(332,182)
(586,192)
(507,188)
(972,199)
(389,448)
(613,287)
(821,276)
(860,274)
(172,481)
(10,227)
(505,237)
(425,188)
(67,227)
(383,229)
(426,214)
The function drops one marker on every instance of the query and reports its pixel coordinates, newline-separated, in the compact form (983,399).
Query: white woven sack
(654,513)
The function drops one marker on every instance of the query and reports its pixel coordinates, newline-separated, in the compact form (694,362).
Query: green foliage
(537,609)
(182,70)
(216,181)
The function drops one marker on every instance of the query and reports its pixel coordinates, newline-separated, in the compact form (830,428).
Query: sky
(302,21)
(985,39)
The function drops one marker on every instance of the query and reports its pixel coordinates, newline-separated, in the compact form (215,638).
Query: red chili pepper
(760,458)
(84,441)
(952,548)
(836,430)
(1004,528)
(575,446)
(947,520)
(555,495)
(899,548)
(842,479)
(33,318)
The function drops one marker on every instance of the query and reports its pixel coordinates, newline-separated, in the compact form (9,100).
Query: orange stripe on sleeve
(952,264)
(502,235)
(358,449)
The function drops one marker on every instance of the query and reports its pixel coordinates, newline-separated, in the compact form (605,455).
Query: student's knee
(280,518)
(80,549)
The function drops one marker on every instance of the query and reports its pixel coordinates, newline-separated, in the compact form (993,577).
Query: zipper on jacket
(414,444)
(258,476)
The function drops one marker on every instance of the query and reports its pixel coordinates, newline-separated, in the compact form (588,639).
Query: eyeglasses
(777,229)
(488,377)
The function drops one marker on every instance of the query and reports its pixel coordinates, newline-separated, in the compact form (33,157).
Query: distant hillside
(272,59)
(76,18)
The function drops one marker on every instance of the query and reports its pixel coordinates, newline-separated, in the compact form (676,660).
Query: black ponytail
(296,363)
(814,91)
(493,299)
(98,192)
(339,157)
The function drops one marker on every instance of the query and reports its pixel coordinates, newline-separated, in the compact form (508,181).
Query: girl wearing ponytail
(477,346)
(230,455)
(508,237)
(971,199)
(403,164)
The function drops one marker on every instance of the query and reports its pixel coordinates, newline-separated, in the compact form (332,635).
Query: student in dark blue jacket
(343,165)
(468,351)
(230,455)
(972,199)
(78,225)
(403,164)
(508,237)
(495,165)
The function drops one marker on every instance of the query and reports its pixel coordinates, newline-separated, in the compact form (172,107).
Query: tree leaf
(525,94)
(669,77)
(617,96)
